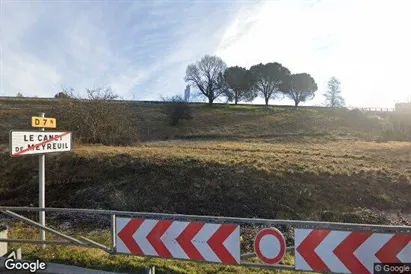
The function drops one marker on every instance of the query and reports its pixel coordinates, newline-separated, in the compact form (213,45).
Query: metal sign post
(42,187)
(22,142)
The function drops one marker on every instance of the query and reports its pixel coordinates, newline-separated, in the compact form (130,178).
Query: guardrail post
(3,235)
(113,232)
(150,270)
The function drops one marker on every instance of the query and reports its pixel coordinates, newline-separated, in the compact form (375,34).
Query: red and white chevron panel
(347,251)
(198,241)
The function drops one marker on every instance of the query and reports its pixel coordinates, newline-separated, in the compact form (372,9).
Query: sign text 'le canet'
(35,142)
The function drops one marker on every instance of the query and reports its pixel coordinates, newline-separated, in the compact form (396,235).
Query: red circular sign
(269,246)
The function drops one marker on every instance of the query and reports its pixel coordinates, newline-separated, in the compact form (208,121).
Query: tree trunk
(296,104)
(210,101)
(266,101)
(235,100)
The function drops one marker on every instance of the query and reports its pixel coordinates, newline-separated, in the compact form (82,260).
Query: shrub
(98,119)
(357,113)
(62,95)
(176,109)
(393,135)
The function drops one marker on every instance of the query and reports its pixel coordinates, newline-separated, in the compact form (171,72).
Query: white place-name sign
(38,142)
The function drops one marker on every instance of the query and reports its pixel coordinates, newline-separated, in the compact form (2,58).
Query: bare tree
(97,118)
(99,94)
(333,96)
(207,76)
(176,109)
(19,94)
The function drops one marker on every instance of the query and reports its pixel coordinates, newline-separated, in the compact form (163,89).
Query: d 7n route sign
(38,142)
(43,122)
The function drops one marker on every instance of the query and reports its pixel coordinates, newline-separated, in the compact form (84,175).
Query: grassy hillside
(345,181)
(306,164)
(298,181)
(219,122)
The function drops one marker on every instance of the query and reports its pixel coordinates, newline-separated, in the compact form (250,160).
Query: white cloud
(201,37)
(364,43)
(30,75)
(134,47)
(141,49)
(20,71)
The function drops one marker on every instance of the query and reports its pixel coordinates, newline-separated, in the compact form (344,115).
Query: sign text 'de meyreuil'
(38,142)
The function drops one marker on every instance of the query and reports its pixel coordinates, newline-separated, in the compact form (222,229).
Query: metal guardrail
(70,240)
(192,218)
(138,102)
(217,219)
(378,109)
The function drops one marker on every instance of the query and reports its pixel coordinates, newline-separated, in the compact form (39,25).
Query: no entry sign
(38,142)
(270,246)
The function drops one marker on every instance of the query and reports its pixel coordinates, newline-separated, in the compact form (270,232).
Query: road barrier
(318,246)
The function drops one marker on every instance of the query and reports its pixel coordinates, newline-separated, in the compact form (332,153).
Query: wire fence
(137,102)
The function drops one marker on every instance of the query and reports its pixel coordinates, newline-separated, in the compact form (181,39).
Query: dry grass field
(305,164)
(296,180)
(220,122)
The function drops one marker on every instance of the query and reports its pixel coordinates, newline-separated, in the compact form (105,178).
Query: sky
(141,48)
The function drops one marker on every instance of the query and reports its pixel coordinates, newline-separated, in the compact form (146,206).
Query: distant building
(403,107)
(187,93)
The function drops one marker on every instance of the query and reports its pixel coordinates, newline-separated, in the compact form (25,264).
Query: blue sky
(142,48)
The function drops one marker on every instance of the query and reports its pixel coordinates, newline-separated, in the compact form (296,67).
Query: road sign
(269,246)
(197,241)
(43,122)
(38,142)
(348,251)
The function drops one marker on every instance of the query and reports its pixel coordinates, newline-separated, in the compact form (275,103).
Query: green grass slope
(345,181)
(219,122)
(306,164)
(220,178)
